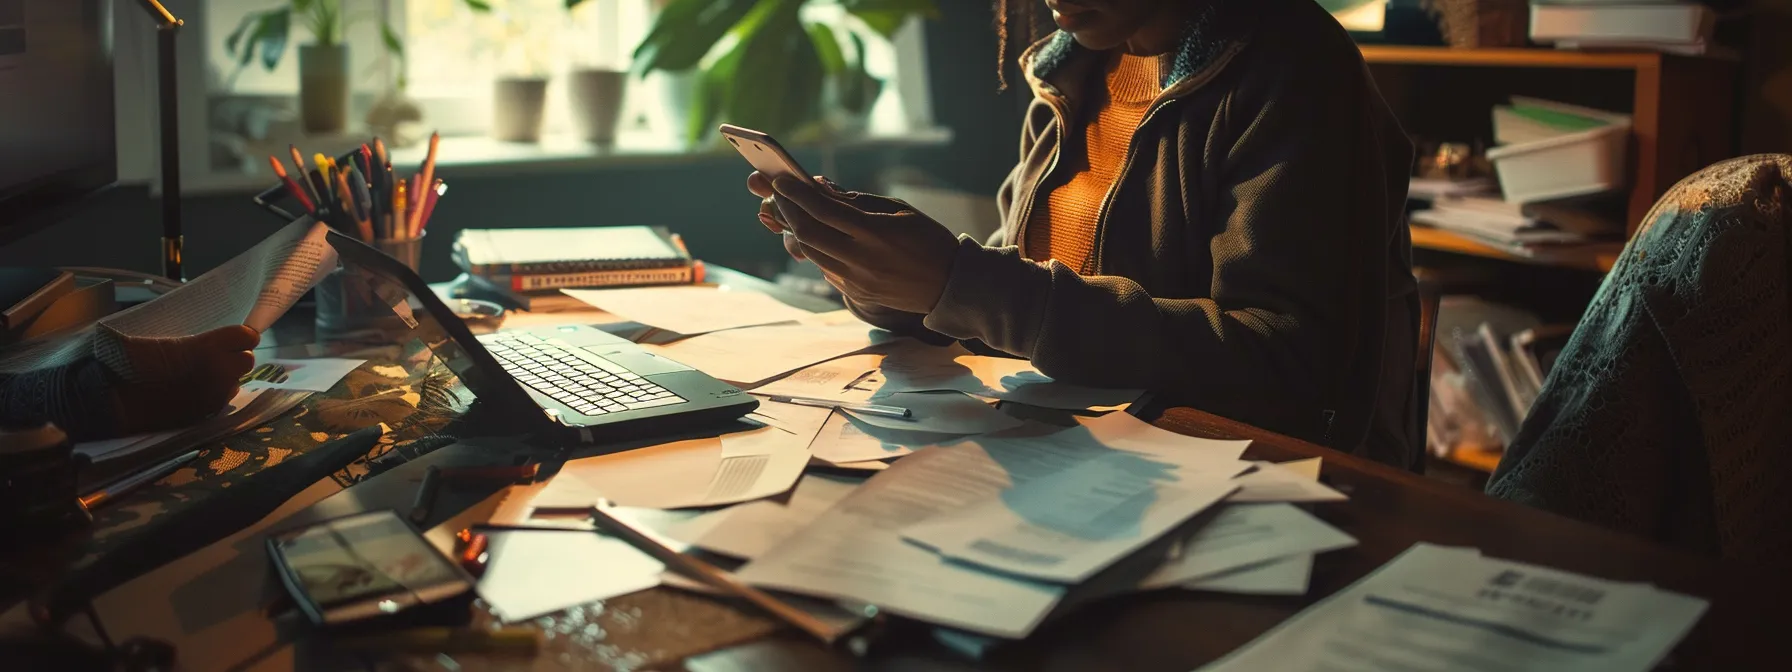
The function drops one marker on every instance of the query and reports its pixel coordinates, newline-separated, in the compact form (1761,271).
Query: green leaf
(858,89)
(393,44)
(275,28)
(302,6)
(887,16)
(832,61)
(777,88)
(686,30)
(479,5)
(236,37)
(711,95)
(572,4)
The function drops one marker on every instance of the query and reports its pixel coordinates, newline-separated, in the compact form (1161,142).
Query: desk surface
(1388,511)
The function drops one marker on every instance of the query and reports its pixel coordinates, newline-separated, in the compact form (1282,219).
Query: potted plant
(773,74)
(594,89)
(323,64)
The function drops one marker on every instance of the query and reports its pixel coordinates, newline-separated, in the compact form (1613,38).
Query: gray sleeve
(74,396)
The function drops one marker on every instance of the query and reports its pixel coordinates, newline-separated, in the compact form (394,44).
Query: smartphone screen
(764,153)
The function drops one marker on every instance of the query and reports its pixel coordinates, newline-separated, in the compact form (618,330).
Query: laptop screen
(393,305)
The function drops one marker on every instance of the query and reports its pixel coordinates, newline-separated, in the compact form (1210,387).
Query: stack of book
(1542,231)
(1670,26)
(1488,368)
(527,268)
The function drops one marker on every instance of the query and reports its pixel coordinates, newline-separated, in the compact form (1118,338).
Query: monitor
(58,143)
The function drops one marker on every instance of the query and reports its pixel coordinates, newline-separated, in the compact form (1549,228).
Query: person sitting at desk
(87,401)
(1209,204)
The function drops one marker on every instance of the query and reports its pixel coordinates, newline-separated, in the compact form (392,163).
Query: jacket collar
(1215,32)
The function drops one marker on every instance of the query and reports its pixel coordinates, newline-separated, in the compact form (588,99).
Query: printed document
(752,355)
(1247,534)
(536,573)
(751,529)
(856,550)
(688,309)
(1271,482)
(742,466)
(1438,608)
(844,440)
(1068,526)
(833,380)
(254,289)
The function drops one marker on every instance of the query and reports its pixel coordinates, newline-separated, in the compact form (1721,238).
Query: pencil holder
(345,307)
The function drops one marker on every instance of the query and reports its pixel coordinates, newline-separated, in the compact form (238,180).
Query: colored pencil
(292,187)
(398,207)
(426,178)
(429,205)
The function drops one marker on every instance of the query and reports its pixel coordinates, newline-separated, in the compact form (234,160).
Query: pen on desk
(292,186)
(470,550)
(708,573)
(119,488)
(448,640)
(426,495)
(867,409)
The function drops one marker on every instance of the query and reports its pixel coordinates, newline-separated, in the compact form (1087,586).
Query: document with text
(1440,608)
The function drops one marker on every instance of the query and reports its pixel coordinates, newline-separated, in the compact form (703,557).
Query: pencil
(426,178)
(298,161)
(398,207)
(291,186)
(429,205)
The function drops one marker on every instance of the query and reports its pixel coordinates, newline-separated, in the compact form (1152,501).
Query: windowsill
(480,156)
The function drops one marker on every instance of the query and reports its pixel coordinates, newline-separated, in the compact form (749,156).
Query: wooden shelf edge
(1445,241)
(1510,58)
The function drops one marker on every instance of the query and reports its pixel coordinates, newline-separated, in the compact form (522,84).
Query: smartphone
(764,153)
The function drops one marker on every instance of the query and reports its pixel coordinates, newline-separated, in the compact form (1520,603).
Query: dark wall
(705,199)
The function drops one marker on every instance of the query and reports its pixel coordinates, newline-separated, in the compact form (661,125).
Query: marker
(298,161)
(292,187)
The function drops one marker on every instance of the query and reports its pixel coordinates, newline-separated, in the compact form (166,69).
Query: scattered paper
(1068,526)
(750,530)
(1282,576)
(690,310)
(753,355)
(1437,608)
(832,380)
(844,440)
(1246,534)
(851,466)
(918,367)
(253,288)
(1272,482)
(313,375)
(531,574)
(856,550)
(940,413)
(758,462)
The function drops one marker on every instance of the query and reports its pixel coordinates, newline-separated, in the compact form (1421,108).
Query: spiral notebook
(531,260)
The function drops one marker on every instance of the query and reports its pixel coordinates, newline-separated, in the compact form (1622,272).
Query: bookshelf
(1682,112)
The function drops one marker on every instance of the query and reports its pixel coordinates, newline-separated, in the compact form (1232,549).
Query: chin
(1098,39)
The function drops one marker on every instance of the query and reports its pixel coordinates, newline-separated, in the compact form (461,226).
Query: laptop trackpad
(646,363)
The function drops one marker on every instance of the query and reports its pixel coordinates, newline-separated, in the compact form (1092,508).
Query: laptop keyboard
(583,381)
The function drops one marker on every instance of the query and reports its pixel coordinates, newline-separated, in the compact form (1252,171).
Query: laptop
(574,383)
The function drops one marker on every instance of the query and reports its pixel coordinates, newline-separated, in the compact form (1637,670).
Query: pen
(426,495)
(118,488)
(518,640)
(471,547)
(398,210)
(867,409)
(304,178)
(429,205)
(365,222)
(292,186)
(708,573)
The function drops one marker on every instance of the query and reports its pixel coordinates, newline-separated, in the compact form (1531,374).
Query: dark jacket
(1252,260)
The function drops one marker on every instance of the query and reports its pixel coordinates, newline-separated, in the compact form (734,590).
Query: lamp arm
(160,13)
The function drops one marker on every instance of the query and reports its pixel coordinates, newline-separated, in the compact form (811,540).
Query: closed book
(632,277)
(555,251)
(1685,24)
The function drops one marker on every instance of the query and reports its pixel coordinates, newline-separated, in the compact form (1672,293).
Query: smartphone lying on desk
(764,153)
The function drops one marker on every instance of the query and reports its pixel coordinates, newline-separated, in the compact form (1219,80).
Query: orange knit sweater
(1065,228)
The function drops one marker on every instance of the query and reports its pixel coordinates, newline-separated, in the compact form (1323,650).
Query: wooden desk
(1388,512)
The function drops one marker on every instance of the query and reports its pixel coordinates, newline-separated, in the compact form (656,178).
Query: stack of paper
(754,355)
(690,310)
(985,534)
(1436,608)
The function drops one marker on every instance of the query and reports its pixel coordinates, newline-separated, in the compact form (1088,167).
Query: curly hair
(1025,14)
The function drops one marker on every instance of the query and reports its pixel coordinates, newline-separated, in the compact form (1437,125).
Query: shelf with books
(1511,58)
(1595,259)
